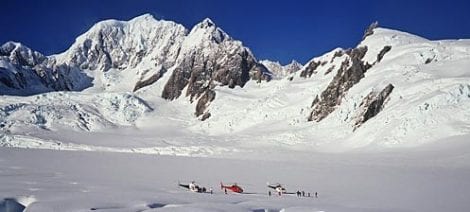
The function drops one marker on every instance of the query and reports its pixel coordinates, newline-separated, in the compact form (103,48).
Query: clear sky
(276,30)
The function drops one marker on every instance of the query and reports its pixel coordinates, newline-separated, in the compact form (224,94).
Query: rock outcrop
(351,72)
(210,57)
(203,103)
(152,79)
(371,105)
(370,30)
(383,52)
(310,69)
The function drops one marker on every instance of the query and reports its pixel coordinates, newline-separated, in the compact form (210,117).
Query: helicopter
(277,187)
(193,187)
(234,187)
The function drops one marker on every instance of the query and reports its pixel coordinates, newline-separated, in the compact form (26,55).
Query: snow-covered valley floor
(429,178)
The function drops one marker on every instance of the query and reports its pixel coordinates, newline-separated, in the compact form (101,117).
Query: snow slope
(389,181)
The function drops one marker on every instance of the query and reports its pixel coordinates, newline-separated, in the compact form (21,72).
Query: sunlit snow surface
(434,178)
(123,151)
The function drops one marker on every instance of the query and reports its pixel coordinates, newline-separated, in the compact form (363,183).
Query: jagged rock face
(337,54)
(371,105)
(27,72)
(310,69)
(383,52)
(203,103)
(370,30)
(351,72)
(225,66)
(178,80)
(208,57)
(148,81)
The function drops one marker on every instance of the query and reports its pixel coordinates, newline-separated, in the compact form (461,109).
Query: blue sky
(276,30)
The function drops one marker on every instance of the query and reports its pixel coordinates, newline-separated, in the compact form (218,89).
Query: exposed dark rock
(200,79)
(370,29)
(351,72)
(338,53)
(204,102)
(228,68)
(371,105)
(315,101)
(383,52)
(260,72)
(178,80)
(235,71)
(205,116)
(155,77)
(429,60)
(311,69)
(330,69)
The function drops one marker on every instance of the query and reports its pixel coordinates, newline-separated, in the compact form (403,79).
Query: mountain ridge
(392,89)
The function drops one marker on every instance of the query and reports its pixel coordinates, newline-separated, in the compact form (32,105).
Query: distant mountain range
(393,89)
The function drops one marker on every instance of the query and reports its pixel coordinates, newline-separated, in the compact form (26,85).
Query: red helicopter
(234,187)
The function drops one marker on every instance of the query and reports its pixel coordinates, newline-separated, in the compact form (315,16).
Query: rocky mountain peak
(20,54)
(280,71)
(207,30)
(293,66)
(206,23)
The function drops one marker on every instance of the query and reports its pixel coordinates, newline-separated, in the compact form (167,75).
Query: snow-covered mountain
(125,56)
(279,71)
(159,80)
(120,55)
(393,89)
(27,72)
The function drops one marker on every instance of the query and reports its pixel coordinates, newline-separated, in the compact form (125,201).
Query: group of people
(298,193)
(302,194)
